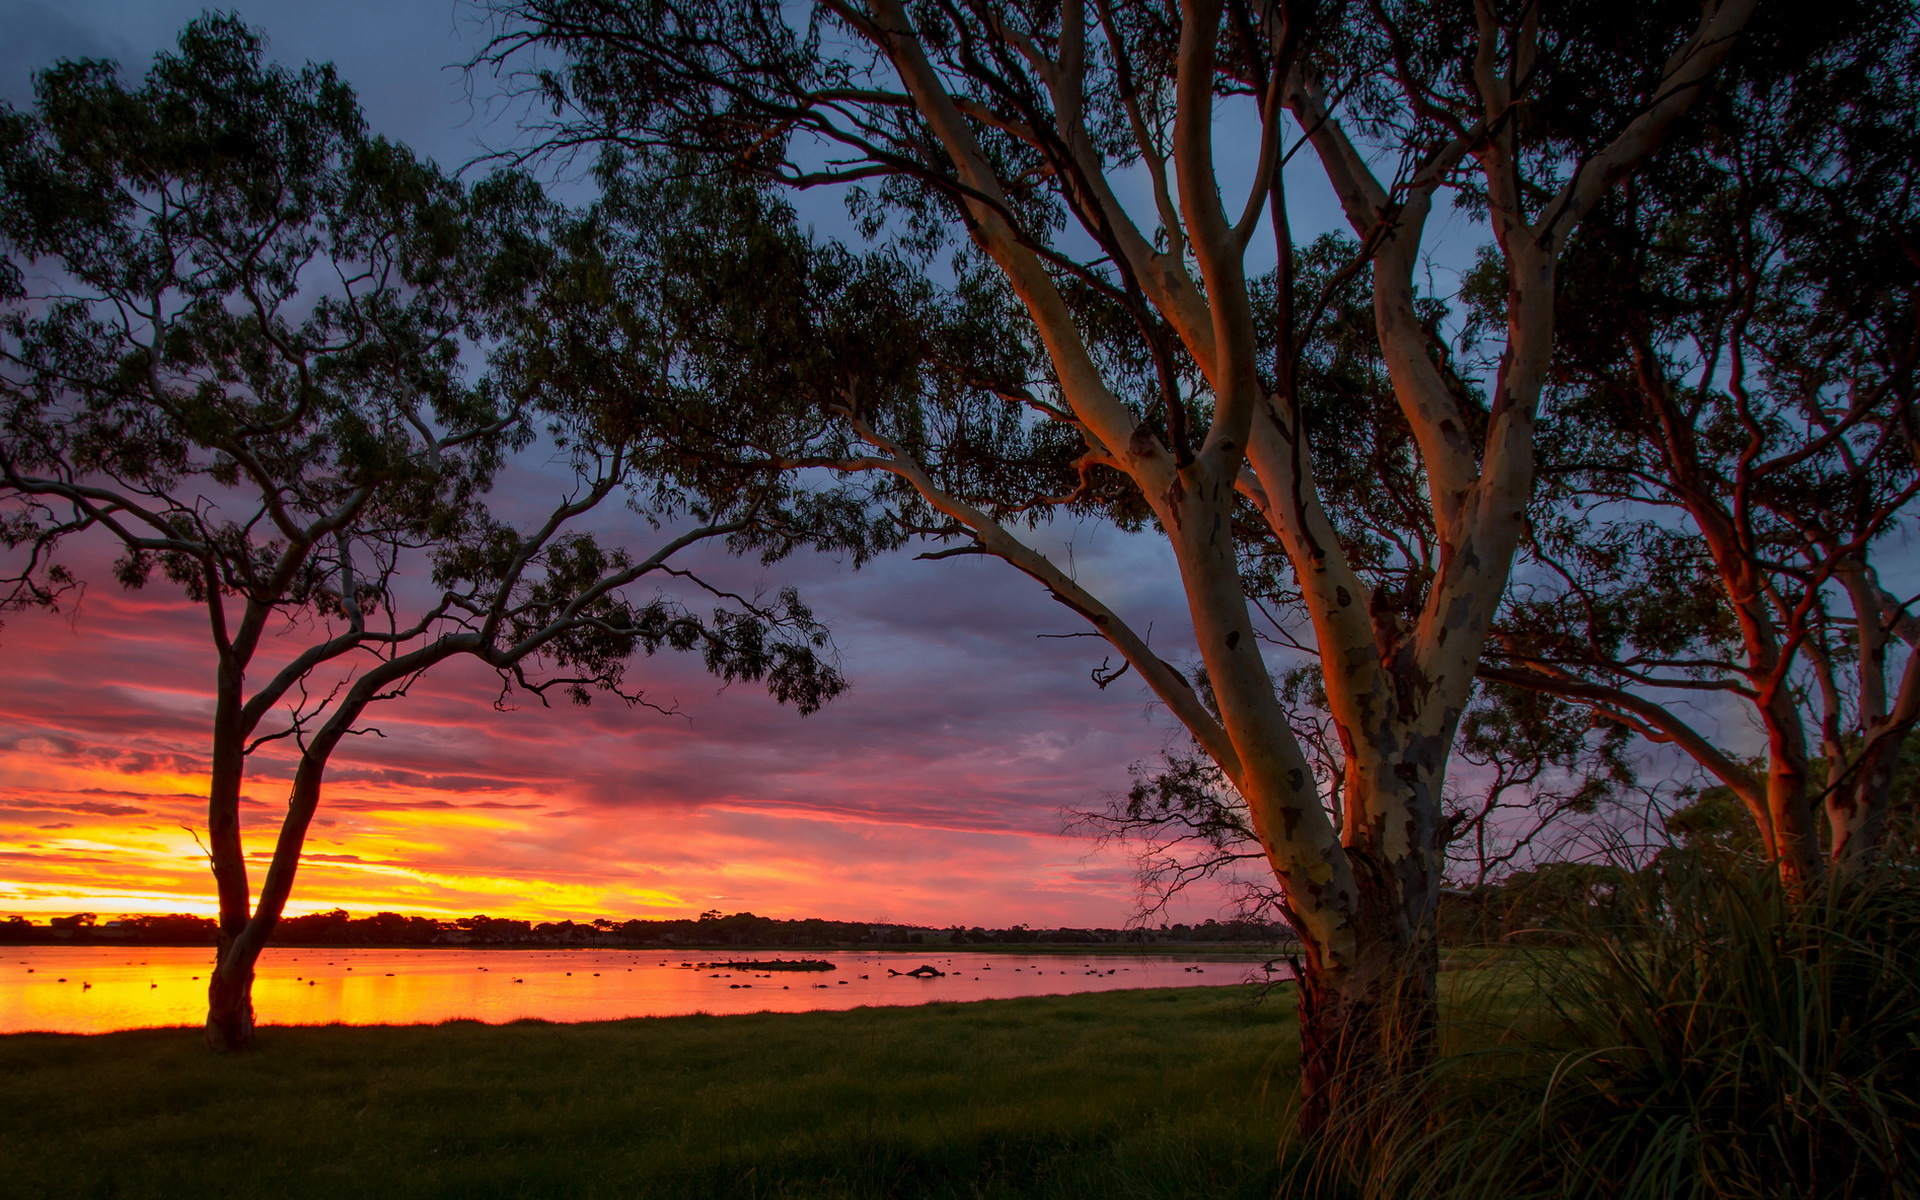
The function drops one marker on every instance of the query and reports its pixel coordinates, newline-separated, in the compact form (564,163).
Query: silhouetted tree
(236,343)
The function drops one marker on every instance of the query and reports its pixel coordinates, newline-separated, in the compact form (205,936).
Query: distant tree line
(340,928)
(170,929)
(1210,930)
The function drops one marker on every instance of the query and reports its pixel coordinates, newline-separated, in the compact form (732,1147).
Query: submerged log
(778,964)
(920,972)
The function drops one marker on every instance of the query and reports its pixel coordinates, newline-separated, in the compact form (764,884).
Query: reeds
(1705,1037)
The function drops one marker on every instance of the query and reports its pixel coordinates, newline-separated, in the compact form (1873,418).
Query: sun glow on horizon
(415,850)
(890,805)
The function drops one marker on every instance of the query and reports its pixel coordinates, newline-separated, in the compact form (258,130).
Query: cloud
(414,779)
(80,808)
(39,33)
(934,791)
(364,805)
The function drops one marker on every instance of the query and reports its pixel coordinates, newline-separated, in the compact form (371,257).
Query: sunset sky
(932,793)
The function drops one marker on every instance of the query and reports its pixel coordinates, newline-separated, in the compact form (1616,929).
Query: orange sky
(932,793)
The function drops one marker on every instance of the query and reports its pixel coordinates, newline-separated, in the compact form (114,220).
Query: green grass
(1162,1093)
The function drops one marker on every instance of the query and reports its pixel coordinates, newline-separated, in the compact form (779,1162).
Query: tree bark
(230,1018)
(1790,806)
(1857,803)
(1859,792)
(225,854)
(1366,1024)
(230,996)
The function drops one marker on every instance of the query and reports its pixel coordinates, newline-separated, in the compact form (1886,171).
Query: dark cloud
(146,762)
(88,808)
(417,779)
(150,797)
(21,741)
(62,858)
(37,35)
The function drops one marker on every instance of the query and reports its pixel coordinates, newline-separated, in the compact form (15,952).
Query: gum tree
(1740,449)
(235,346)
(1728,465)
(1018,136)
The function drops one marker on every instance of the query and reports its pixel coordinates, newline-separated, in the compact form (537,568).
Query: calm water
(93,989)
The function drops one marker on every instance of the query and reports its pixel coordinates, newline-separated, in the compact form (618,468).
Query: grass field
(1165,1093)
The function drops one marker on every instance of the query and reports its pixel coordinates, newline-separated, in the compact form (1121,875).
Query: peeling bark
(1365,1023)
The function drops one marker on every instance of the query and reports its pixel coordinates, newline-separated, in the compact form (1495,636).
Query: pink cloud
(933,792)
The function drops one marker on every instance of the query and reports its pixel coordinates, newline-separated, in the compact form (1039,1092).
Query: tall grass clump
(1699,1035)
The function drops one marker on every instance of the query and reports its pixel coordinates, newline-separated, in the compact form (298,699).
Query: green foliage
(1139,1094)
(1539,905)
(751,346)
(247,357)
(1714,816)
(239,295)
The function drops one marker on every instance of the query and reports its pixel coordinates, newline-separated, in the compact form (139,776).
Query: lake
(94,989)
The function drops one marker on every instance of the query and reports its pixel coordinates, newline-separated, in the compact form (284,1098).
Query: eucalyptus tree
(1534,773)
(1729,464)
(1133,376)
(237,344)
(1739,448)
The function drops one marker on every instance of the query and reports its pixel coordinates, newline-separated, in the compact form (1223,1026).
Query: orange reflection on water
(94,989)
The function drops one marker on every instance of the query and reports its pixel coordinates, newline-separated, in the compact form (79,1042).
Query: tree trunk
(1790,803)
(230,991)
(1368,1013)
(230,996)
(225,853)
(1857,803)
(1365,1030)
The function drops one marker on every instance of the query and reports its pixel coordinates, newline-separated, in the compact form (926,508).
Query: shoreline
(1254,994)
(94,989)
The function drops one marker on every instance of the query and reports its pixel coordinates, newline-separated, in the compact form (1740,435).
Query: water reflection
(93,989)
